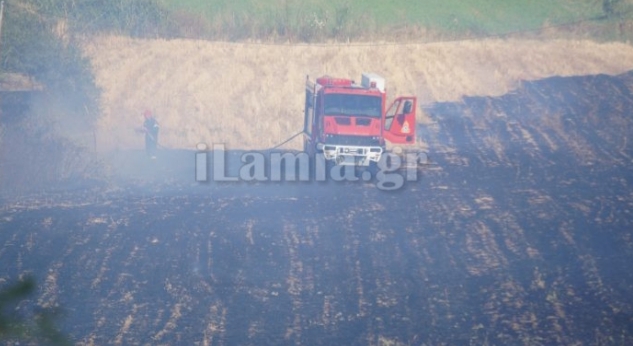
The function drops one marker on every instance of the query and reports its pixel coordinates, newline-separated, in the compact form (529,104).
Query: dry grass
(251,96)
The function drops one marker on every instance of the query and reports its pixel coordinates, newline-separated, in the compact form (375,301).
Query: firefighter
(150,128)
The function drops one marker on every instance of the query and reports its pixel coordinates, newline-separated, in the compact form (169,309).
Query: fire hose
(288,140)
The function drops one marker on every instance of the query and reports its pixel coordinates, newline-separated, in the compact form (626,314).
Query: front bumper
(350,155)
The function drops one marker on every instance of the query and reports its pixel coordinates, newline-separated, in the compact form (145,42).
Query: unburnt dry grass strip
(250,96)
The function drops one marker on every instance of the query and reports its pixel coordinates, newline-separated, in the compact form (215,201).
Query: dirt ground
(250,96)
(518,232)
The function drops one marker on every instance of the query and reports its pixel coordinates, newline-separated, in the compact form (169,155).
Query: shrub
(37,44)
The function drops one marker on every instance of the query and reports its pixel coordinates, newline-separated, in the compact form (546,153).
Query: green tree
(38,328)
(37,44)
(34,45)
(41,39)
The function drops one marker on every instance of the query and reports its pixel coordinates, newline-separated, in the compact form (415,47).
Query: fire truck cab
(349,123)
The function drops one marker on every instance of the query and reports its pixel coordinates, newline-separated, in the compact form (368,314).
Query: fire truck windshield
(349,104)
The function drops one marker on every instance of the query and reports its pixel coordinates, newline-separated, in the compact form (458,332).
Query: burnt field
(519,233)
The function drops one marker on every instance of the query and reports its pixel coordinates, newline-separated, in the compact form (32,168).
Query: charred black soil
(519,232)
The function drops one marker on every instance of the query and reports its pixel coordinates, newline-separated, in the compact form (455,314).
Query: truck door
(399,121)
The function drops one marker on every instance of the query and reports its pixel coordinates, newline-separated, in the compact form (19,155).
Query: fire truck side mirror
(407,107)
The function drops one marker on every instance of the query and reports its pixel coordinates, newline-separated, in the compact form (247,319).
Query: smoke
(44,144)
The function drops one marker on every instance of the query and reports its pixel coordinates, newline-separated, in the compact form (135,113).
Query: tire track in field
(6,254)
(295,283)
(112,284)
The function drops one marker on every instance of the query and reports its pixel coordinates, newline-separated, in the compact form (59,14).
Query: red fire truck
(349,123)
